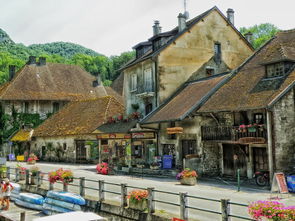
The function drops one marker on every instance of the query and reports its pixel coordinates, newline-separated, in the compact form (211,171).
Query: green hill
(4,38)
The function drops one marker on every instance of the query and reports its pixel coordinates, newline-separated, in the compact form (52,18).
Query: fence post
(16,174)
(151,202)
(183,206)
(82,186)
(123,194)
(225,209)
(8,172)
(50,186)
(27,177)
(23,216)
(101,190)
(38,178)
(65,187)
(239,180)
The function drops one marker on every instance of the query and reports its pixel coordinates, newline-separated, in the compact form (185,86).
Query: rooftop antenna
(186,14)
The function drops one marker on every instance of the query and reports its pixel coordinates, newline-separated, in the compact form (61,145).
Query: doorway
(80,151)
(234,158)
(260,159)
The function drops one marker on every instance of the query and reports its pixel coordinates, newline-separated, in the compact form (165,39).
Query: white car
(73,216)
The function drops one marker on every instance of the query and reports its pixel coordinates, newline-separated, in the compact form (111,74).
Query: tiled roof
(22,135)
(111,92)
(175,34)
(248,88)
(185,100)
(51,82)
(80,117)
(118,127)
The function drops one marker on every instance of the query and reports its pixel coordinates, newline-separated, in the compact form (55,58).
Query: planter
(32,162)
(252,129)
(138,205)
(191,181)
(154,167)
(140,166)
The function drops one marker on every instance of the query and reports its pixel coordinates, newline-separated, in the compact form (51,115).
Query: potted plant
(155,166)
(3,170)
(34,171)
(65,176)
(271,210)
(32,159)
(22,172)
(242,128)
(252,128)
(137,199)
(187,177)
(102,168)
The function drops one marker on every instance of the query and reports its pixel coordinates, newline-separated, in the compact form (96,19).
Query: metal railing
(183,203)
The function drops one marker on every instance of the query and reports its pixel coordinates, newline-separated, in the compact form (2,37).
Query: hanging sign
(174,130)
(143,135)
(113,136)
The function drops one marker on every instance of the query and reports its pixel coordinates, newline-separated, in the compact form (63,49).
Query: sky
(111,27)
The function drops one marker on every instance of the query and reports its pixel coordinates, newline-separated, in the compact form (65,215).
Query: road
(206,189)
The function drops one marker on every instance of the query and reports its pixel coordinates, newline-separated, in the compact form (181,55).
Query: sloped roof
(22,135)
(111,92)
(51,82)
(175,34)
(248,88)
(118,127)
(186,100)
(80,117)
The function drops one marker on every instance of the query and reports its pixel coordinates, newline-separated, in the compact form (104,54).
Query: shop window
(258,118)
(104,142)
(188,147)
(137,151)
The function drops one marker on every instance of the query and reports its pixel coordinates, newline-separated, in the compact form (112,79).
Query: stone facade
(284,133)
(185,59)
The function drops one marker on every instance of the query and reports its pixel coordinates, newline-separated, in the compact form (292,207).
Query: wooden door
(80,151)
(260,159)
(234,158)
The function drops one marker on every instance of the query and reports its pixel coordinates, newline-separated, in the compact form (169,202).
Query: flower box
(139,205)
(191,181)
(252,129)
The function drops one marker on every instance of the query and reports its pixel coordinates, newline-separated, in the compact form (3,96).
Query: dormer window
(157,44)
(278,69)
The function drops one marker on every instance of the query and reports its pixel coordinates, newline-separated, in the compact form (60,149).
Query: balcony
(146,91)
(256,134)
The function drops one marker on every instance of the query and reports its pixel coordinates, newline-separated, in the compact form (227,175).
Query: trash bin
(167,161)
(291,183)
(11,157)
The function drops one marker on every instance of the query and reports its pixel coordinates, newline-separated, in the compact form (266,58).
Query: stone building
(68,134)
(206,45)
(254,112)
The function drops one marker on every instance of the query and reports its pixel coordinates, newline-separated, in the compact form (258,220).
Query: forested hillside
(60,52)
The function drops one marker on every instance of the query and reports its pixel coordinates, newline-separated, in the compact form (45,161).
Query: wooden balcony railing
(234,133)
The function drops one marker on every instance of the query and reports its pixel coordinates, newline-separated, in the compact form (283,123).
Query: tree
(261,33)
(119,61)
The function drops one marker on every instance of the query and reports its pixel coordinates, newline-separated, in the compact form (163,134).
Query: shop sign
(248,140)
(143,135)
(113,136)
(174,130)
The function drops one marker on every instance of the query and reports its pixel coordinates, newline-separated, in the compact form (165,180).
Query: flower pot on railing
(138,205)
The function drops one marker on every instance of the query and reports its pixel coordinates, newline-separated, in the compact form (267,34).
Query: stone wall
(284,133)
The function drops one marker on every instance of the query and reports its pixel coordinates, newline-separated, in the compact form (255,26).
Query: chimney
(97,82)
(156,28)
(42,61)
(11,72)
(32,60)
(248,36)
(230,16)
(181,22)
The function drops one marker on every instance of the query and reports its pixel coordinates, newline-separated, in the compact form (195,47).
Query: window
(104,142)
(278,69)
(133,82)
(258,118)
(64,146)
(188,147)
(148,80)
(26,109)
(148,108)
(217,53)
(209,72)
(55,107)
